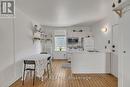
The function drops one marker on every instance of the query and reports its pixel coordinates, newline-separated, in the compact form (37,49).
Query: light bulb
(104,29)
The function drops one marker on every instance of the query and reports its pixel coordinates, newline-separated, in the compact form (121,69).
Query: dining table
(41,64)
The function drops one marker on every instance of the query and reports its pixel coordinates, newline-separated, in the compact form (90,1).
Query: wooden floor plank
(62,77)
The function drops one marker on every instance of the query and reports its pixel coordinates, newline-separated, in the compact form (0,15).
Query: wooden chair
(49,65)
(31,63)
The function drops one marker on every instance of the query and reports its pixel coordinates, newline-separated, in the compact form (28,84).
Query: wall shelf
(120,7)
(35,38)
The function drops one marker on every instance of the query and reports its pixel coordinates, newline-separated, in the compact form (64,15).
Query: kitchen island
(90,62)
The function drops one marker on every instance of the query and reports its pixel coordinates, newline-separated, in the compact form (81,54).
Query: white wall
(101,38)
(6,52)
(124,41)
(24,45)
(124,58)
(16,42)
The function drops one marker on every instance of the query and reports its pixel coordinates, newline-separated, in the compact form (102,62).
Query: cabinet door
(88,43)
(59,55)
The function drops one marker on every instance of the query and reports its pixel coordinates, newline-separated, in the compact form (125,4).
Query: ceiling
(65,12)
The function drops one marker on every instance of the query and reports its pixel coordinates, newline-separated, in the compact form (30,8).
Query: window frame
(65,44)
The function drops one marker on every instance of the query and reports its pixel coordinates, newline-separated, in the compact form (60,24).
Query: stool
(32,63)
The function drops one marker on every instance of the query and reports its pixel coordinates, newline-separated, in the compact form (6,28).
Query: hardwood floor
(62,77)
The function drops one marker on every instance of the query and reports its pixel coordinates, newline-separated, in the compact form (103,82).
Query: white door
(124,59)
(114,54)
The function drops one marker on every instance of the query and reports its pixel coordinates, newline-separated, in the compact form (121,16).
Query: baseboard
(15,81)
(113,75)
(92,74)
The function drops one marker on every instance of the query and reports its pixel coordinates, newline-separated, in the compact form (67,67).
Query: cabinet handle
(113,46)
(124,51)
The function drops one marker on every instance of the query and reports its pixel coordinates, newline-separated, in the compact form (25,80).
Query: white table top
(41,63)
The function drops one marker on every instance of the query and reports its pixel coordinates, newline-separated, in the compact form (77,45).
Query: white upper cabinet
(89,43)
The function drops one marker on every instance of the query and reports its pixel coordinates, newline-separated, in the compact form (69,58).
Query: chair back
(49,58)
(29,62)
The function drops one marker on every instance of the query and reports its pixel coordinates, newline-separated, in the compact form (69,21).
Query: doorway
(115,48)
